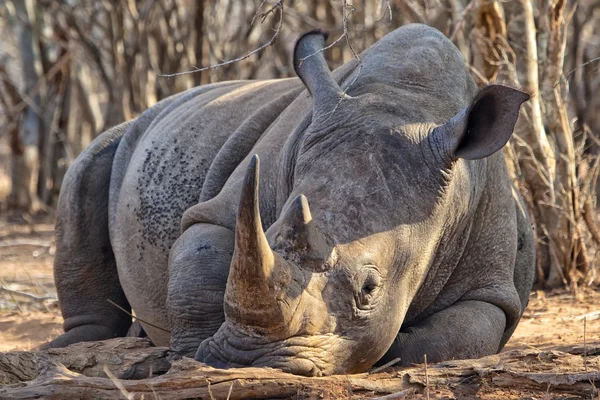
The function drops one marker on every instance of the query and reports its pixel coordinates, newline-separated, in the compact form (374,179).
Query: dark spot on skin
(166,187)
(204,247)
(520,243)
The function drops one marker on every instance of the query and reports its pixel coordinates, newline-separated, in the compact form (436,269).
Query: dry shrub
(98,63)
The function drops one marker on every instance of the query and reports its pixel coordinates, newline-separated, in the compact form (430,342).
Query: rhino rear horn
(312,69)
(300,242)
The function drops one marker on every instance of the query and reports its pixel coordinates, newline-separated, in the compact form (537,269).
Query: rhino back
(160,170)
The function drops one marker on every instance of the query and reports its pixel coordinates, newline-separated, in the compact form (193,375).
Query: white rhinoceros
(415,241)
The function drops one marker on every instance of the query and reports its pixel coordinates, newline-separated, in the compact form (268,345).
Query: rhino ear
(312,69)
(485,126)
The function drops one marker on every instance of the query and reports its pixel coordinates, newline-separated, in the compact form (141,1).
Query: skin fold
(317,225)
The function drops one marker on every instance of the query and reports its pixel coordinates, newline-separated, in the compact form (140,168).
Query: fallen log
(130,368)
(126,358)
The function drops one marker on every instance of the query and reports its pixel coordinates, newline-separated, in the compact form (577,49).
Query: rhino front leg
(467,329)
(85,271)
(198,270)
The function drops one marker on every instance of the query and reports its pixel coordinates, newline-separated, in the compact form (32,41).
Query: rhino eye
(369,288)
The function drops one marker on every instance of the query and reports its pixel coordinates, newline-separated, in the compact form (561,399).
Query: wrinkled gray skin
(392,229)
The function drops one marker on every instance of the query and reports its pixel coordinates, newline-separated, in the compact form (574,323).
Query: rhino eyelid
(375,268)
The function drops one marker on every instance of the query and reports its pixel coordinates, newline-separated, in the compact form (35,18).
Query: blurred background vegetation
(70,69)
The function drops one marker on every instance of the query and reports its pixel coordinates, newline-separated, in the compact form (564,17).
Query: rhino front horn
(256,273)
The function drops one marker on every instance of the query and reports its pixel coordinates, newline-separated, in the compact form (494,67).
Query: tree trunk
(537,158)
(25,167)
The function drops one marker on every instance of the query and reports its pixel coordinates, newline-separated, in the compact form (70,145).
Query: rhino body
(317,225)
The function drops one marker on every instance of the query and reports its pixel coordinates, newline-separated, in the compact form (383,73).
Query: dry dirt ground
(29,315)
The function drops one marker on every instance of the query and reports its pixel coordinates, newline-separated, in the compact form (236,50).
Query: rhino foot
(83,333)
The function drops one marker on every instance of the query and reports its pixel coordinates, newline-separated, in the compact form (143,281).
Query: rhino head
(326,288)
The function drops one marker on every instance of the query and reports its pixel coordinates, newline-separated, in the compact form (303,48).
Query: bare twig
(385,366)
(349,385)
(588,217)
(395,396)
(278,5)
(26,295)
(20,101)
(262,15)
(133,316)
(585,361)
(568,75)
(118,384)
(426,377)
(347,10)
(388,11)
(230,390)
(461,20)
(345,15)
(24,243)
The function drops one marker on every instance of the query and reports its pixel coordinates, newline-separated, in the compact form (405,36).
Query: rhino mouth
(308,355)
